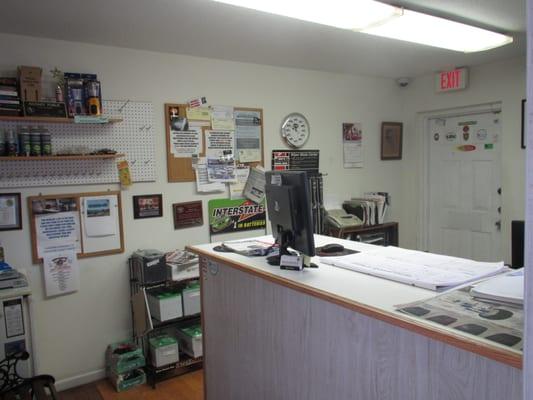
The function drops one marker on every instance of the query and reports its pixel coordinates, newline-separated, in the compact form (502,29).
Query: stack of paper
(425,270)
(507,288)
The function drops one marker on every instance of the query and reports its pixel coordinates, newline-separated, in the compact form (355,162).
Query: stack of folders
(371,208)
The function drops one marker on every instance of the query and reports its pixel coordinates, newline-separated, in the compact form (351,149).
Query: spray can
(11,143)
(46,141)
(35,142)
(2,143)
(24,141)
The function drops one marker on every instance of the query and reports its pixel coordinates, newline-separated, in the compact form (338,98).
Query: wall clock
(295,130)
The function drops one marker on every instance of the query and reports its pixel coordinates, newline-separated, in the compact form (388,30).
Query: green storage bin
(124,356)
(128,379)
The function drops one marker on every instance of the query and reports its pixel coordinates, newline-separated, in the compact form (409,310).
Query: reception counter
(331,333)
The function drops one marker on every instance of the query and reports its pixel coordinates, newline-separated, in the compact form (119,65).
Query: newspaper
(496,321)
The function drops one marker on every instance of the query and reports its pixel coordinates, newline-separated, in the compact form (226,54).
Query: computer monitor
(289,210)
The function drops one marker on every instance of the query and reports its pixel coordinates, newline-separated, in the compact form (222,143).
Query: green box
(124,356)
(127,380)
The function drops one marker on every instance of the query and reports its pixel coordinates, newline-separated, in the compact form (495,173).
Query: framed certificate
(10,214)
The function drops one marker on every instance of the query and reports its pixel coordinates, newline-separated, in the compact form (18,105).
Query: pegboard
(134,137)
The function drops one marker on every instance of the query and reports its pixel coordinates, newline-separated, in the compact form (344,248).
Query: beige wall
(71,331)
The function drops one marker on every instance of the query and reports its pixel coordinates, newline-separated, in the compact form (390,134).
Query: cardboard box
(124,356)
(165,304)
(191,299)
(30,83)
(127,380)
(190,340)
(164,351)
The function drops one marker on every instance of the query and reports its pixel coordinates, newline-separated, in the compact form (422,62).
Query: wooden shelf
(59,158)
(54,120)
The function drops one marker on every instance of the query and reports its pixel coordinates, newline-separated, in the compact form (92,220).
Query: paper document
(248,247)
(61,271)
(99,216)
(236,189)
(255,186)
(202,179)
(508,288)
(222,118)
(417,268)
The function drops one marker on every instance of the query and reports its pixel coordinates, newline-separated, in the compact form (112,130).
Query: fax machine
(11,279)
(341,219)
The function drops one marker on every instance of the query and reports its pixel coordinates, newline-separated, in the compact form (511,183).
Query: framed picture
(524,124)
(391,140)
(148,206)
(188,214)
(10,214)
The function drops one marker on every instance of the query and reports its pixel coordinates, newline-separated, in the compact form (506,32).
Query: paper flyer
(255,186)
(99,216)
(222,118)
(61,270)
(248,135)
(236,189)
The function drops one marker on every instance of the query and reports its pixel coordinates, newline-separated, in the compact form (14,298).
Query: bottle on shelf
(35,141)
(11,145)
(46,141)
(2,143)
(24,141)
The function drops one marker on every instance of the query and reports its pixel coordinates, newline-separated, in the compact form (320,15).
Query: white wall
(71,332)
(503,82)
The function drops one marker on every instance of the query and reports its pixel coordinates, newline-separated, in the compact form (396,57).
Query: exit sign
(456,79)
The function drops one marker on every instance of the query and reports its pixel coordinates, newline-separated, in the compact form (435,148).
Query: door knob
(498,225)
(499,190)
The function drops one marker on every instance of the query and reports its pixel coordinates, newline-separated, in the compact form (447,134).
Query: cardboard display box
(127,380)
(30,83)
(123,356)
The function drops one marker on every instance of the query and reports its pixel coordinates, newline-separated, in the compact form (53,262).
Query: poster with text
(227,215)
(56,221)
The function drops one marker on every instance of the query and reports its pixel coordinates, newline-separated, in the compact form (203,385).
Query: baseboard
(79,380)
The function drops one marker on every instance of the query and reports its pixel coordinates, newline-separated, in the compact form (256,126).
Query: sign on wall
(226,215)
(447,81)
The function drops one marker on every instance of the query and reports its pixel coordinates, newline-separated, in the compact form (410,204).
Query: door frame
(422,125)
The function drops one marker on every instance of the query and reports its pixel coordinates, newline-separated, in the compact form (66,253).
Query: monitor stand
(284,251)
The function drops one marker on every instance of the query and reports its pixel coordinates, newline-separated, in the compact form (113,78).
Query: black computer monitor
(289,210)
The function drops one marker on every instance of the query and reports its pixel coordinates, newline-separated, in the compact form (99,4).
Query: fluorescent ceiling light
(345,14)
(438,32)
(375,18)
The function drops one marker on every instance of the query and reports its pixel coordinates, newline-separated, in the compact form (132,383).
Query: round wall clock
(295,130)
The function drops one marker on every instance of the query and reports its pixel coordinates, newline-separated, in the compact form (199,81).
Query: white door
(464,216)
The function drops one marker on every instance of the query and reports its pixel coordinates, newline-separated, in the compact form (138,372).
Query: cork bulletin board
(93,221)
(179,168)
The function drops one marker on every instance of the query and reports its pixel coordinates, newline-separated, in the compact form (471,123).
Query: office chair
(15,387)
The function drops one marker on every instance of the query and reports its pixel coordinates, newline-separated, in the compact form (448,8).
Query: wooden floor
(186,387)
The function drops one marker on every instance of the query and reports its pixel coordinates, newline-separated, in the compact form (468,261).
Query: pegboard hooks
(123,105)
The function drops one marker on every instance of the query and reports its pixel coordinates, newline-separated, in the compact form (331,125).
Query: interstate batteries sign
(227,215)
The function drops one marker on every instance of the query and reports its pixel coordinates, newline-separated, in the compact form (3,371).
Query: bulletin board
(93,221)
(180,169)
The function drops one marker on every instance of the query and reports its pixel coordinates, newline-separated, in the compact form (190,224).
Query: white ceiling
(208,29)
